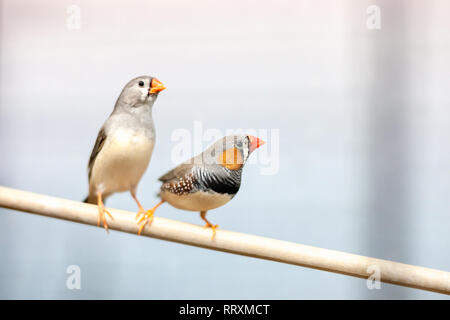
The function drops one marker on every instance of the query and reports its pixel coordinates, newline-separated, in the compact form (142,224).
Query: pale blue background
(364,126)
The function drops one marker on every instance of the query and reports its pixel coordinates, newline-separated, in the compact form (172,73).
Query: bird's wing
(179,181)
(101,138)
(176,173)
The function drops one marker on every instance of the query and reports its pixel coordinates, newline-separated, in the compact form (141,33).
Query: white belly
(122,161)
(199,201)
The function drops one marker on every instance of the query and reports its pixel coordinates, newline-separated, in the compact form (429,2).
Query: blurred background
(361,106)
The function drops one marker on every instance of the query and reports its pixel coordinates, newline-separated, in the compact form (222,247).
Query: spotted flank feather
(181,186)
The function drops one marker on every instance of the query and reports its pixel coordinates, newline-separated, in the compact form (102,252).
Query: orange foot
(213,227)
(101,213)
(209,224)
(147,216)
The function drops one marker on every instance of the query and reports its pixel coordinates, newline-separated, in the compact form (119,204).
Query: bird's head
(140,91)
(233,151)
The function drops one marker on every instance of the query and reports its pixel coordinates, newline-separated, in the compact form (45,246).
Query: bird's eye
(141,83)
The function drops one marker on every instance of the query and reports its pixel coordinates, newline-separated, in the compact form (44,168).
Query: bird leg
(101,212)
(209,224)
(147,215)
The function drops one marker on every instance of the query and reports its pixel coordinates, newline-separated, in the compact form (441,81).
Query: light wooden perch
(233,242)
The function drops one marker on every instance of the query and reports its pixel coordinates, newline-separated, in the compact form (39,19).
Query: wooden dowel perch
(233,242)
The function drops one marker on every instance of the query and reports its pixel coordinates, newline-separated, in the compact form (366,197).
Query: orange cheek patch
(231,159)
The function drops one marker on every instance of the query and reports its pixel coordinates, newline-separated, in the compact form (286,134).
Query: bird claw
(147,218)
(213,227)
(102,217)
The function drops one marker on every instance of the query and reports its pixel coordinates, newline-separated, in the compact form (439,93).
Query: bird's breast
(122,161)
(196,201)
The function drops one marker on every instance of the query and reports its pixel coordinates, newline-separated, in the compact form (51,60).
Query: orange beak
(255,142)
(156,86)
